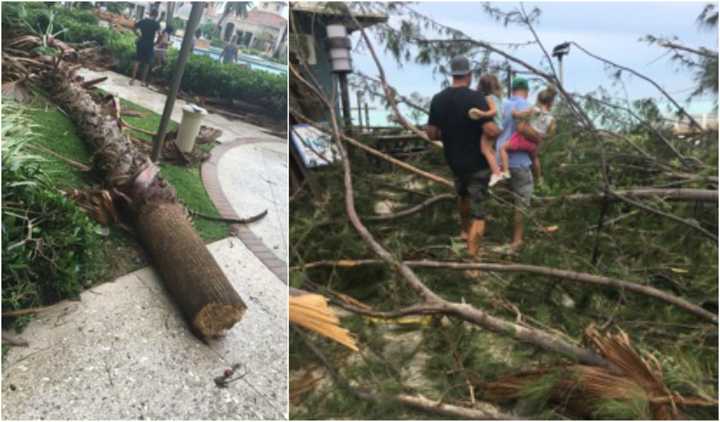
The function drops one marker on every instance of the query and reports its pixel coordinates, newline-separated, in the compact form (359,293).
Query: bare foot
(509,249)
(463,235)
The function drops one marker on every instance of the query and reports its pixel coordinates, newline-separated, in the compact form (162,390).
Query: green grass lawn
(56,132)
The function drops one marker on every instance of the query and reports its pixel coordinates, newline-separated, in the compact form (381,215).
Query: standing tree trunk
(191,275)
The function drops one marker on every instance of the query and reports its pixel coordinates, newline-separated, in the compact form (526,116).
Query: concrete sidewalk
(124,352)
(261,183)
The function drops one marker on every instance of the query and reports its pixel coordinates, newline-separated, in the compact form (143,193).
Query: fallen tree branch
(73,163)
(673,217)
(584,278)
(389,93)
(680,108)
(93,82)
(683,194)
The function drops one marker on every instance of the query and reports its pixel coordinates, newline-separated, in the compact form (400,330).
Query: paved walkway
(258,187)
(247,174)
(124,352)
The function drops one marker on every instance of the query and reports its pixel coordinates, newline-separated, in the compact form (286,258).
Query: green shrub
(208,77)
(49,245)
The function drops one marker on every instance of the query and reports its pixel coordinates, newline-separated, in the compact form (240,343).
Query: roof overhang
(365,19)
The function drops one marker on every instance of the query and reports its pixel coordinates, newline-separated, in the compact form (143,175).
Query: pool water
(254,62)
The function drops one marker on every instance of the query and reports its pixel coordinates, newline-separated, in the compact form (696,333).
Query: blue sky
(608,29)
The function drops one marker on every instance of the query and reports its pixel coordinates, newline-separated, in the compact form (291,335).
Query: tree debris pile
(621,237)
(192,276)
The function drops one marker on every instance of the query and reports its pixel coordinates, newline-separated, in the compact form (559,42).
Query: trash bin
(189,127)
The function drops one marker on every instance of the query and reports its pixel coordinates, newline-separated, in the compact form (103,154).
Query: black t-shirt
(148,28)
(460,134)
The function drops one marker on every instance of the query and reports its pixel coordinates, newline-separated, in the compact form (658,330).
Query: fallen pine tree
(190,273)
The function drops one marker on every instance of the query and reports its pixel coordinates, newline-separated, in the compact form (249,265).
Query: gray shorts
(522,184)
(474,186)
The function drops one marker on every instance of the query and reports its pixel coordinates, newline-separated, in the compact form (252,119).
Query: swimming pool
(255,63)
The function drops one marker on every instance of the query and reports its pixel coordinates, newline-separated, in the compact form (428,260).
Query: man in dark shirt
(145,45)
(461,136)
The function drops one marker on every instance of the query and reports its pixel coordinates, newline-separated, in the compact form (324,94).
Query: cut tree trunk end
(189,271)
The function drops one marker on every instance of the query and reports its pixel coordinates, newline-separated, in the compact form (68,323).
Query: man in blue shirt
(520,162)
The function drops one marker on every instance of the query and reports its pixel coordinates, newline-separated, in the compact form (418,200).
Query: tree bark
(190,273)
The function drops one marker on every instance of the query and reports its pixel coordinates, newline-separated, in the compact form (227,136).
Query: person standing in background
(145,45)
(230,52)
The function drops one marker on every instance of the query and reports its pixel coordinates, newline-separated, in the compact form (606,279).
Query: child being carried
(542,121)
(489,86)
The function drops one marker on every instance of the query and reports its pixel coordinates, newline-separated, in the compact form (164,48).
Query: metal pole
(560,70)
(345,101)
(367,117)
(359,108)
(509,81)
(185,50)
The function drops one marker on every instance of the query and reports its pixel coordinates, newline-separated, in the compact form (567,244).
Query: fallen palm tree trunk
(579,277)
(190,273)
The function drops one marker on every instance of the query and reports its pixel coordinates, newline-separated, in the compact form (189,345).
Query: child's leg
(486,146)
(505,158)
(537,172)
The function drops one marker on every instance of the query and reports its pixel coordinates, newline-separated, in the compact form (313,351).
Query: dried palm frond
(636,379)
(312,312)
(304,384)
(97,203)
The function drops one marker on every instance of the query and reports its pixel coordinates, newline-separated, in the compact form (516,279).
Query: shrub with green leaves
(208,77)
(49,245)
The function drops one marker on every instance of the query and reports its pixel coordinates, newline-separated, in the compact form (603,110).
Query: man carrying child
(520,163)
(461,137)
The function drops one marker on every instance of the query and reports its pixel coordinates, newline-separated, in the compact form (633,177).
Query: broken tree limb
(389,93)
(702,195)
(192,276)
(73,163)
(651,81)
(584,278)
(93,82)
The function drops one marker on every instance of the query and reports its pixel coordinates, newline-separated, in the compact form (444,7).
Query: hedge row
(203,76)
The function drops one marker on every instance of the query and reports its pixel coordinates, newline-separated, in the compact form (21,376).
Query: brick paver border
(211,180)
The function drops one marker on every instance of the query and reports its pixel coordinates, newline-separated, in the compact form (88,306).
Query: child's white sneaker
(475,113)
(495,178)
(506,175)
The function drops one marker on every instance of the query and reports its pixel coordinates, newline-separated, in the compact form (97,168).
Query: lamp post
(559,51)
(341,64)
